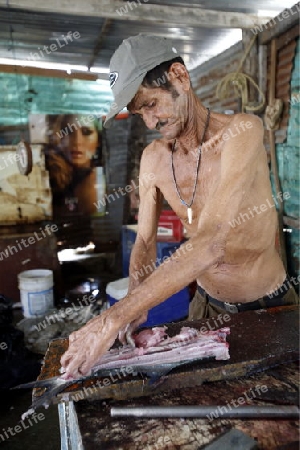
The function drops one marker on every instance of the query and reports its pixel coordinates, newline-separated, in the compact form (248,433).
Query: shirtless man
(232,262)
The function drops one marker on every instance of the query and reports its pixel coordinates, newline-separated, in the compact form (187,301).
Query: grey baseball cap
(129,65)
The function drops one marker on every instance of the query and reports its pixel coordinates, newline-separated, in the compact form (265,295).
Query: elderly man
(212,169)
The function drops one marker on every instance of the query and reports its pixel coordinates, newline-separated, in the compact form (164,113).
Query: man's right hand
(88,344)
(125,335)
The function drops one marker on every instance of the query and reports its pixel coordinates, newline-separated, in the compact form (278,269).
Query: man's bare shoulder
(247,123)
(152,161)
(156,148)
(244,131)
(154,154)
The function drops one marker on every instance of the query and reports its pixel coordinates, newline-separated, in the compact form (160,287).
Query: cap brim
(123,99)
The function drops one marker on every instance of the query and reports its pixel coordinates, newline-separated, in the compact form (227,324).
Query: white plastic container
(36,291)
(172,309)
(116,290)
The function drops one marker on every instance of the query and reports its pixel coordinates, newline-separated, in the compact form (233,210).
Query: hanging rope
(239,83)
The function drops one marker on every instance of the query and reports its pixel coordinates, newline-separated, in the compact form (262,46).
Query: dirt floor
(21,367)
(43,435)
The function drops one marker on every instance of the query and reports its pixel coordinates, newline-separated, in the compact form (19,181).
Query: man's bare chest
(181,184)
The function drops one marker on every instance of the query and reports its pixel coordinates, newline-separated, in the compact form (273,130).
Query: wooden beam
(262,69)
(10,128)
(98,45)
(280,24)
(50,73)
(250,66)
(140,10)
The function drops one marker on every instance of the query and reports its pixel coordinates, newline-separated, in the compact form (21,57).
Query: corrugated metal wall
(22,95)
(285,57)
(289,166)
(206,77)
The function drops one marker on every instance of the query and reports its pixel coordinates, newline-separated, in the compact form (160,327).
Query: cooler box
(174,308)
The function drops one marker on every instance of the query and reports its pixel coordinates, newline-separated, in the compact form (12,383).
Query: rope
(238,81)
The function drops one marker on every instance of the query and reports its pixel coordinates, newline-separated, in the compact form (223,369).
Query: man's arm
(144,250)
(143,255)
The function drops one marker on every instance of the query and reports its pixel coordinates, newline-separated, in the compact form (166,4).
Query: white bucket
(36,289)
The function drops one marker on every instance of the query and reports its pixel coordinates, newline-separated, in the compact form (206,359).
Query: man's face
(162,110)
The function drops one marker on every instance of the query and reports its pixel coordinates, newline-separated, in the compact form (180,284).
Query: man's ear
(179,74)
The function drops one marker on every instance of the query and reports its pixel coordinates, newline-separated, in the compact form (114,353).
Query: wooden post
(250,66)
(274,166)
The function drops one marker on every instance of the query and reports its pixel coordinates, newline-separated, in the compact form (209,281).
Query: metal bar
(53,73)
(211,412)
(63,425)
(69,429)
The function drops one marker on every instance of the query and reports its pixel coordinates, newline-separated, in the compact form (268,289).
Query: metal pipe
(210,412)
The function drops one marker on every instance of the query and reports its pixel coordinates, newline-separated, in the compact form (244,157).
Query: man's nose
(150,121)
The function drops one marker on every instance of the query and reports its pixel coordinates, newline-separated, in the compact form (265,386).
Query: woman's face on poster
(81,142)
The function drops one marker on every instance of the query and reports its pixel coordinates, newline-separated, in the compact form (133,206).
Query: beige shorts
(201,308)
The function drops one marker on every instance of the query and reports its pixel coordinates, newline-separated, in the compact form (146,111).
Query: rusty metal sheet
(258,341)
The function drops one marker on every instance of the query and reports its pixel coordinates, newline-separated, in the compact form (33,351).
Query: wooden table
(262,369)
(87,424)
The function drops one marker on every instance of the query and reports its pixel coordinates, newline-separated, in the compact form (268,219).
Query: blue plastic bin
(174,308)
(129,232)
(128,239)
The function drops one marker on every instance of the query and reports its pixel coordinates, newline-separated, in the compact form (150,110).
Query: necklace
(189,205)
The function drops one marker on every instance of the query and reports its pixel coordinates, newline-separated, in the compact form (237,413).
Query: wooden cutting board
(258,340)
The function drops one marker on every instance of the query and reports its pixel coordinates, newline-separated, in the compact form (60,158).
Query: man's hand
(87,345)
(125,335)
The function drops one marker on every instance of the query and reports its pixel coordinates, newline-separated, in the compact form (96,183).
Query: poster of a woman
(74,148)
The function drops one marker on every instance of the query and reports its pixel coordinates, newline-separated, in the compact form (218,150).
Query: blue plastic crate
(163,249)
(174,308)
(128,240)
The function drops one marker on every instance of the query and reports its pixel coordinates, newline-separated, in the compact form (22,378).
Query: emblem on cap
(113,76)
